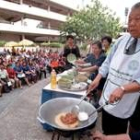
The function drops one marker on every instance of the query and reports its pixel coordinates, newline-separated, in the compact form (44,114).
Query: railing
(27,30)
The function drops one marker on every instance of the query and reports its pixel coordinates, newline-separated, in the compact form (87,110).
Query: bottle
(53,79)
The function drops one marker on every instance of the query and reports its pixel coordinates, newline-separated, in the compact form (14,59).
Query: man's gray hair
(136,6)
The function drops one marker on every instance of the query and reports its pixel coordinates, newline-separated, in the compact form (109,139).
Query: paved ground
(18,113)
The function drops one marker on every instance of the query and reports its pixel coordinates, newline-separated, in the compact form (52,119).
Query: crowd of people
(18,67)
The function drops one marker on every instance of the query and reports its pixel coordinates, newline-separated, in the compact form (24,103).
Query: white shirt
(3,74)
(121,69)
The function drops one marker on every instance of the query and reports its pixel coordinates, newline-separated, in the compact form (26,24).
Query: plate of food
(69,85)
(79,86)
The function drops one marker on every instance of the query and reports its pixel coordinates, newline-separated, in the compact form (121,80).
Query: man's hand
(79,69)
(93,85)
(116,95)
(98,136)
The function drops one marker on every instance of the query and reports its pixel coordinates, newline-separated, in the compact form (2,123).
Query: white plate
(84,65)
(82,73)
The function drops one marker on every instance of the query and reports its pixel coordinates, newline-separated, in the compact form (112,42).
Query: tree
(94,21)
(2,42)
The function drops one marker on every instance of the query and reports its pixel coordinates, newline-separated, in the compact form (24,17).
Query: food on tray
(69,77)
(79,86)
(72,83)
(76,86)
(72,73)
(67,120)
(81,78)
(65,83)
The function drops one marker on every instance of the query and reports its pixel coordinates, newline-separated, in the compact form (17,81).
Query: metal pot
(51,108)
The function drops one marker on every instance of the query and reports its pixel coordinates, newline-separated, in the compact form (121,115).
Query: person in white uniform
(122,86)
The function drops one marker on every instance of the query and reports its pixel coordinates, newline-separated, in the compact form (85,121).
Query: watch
(123,89)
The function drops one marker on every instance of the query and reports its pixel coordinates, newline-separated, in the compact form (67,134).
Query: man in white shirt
(122,86)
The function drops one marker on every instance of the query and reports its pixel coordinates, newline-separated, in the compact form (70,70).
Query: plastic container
(53,79)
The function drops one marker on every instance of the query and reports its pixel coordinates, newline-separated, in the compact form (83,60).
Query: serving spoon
(76,109)
(83,116)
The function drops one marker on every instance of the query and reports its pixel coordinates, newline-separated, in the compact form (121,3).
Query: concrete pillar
(21,1)
(68,13)
(23,36)
(22,21)
(49,25)
(49,8)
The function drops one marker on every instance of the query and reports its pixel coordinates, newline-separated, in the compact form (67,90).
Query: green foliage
(94,21)
(2,43)
(52,44)
(84,46)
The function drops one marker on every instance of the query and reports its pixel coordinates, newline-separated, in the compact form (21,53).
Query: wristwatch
(123,89)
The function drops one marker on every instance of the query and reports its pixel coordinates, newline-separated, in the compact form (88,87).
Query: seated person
(5,78)
(27,71)
(54,64)
(37,69)
(33,72)
(20,74)
(12,76)
(42,67)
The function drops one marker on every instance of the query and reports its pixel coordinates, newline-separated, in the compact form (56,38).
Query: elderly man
(123,81)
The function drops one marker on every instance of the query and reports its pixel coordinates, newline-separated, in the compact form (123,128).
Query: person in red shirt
(12,76)
(54,64)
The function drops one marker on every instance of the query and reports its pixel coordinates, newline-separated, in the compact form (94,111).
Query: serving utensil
(83,116)
(76,109)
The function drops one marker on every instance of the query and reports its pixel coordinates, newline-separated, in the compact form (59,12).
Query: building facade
(37,20)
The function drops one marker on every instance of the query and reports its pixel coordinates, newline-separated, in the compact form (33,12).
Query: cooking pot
(53,107)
